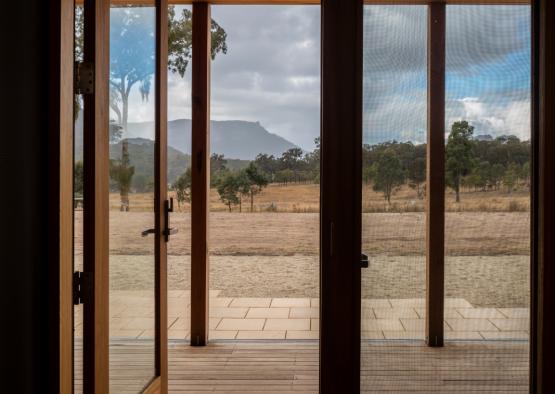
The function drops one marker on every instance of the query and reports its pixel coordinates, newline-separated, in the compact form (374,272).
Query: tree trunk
(252,202)
(229,206)
(457,194)
(240,203)
(125,109)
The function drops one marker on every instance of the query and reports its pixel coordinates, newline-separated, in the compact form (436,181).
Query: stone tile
(221,302)
(147,334)
(395,313)
(139,323)
(129,333)
(171,320)
(371,335)
(368,313)
(453,335)
(447,313)
(413,325)
(292,334)
(134,311)
(251,302)
(268,313)
(180,324)
(222,334)
(375,303)
(290,302)
(179,293)
(214,293)
(479,313)
(314,324)
(457,303)
(511,324)
(515,313)
(238,313)
(297,313)
(287,324)
(117,323)
(179,311)
(408,303)
(178,334)
(315,302)
(471,325)
(260,335)
(213,322)
(505,335)
(228,324)
(404,335)
(418,325)
(381,325)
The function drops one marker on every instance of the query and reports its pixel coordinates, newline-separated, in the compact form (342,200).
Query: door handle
(364,262)
(168,207)
(148,231)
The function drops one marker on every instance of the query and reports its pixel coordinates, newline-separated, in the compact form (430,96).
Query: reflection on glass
(132,147)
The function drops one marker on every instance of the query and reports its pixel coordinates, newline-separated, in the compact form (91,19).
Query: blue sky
(271,73)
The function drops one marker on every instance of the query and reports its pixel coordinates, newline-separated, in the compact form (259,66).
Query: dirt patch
(498,281)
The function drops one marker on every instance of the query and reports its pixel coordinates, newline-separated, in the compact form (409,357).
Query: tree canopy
(459,159)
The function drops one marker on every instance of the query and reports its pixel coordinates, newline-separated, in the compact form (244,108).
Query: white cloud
(496,119)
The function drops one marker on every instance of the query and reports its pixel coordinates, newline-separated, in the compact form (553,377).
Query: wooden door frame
(542,341)
(96,205)
(160,384)
(543,217)
(60,197)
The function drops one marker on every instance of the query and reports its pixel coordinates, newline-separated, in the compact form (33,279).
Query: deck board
(286,366)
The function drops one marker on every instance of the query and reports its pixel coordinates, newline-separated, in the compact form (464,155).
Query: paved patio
(132,316)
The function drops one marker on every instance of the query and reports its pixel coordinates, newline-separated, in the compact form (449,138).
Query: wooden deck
(287,366)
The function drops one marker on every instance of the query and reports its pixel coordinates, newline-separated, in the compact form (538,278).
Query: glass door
(125,216)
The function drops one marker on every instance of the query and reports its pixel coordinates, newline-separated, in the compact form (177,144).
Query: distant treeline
(483,164)
(476,164)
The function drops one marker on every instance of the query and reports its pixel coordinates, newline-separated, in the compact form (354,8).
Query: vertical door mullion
(200,171)
(435,179)
(96,181)
(160,197)
(340,191)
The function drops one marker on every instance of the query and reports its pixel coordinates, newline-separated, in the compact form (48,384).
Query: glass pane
(394,191)
(179,177)
(265,165)
(132,146)
(487,232)
(78,206)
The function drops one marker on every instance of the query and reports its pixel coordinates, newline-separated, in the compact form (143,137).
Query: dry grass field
(304,198)
(275,253)
(286,234)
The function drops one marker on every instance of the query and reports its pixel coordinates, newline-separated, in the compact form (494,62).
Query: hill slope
(235,139)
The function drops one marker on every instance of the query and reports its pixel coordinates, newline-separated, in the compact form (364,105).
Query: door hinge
(82,287)
(84,77)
